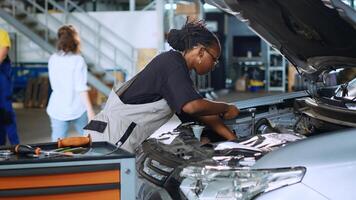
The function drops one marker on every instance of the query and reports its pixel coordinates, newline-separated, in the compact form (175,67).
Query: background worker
(69,102)
(7,114)
(147,101)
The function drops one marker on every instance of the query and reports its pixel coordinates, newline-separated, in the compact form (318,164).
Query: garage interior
(248,67)
(119,37)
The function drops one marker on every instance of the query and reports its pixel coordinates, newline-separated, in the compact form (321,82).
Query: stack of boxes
(144,56)
(189,9)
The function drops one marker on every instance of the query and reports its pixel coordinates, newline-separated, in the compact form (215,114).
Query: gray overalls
(128,125)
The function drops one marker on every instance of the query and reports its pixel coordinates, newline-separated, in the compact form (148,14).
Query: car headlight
(164,168)
(221,182)
(152,172)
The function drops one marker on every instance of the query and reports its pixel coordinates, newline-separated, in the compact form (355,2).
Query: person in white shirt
(69,102)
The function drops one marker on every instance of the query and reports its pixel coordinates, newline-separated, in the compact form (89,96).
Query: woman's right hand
(91,115)
(231,113)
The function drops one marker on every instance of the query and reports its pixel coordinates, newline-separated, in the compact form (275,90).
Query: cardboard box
(187,8)
(120,76)
(36,95)
(93,95)
(144,56)
(97,98)
(101,99)
(291,77)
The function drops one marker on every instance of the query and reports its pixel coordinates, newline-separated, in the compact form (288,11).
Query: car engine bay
(262,128)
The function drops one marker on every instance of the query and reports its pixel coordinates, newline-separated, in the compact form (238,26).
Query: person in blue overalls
(7,114)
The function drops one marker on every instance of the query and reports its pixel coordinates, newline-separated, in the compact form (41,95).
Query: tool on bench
(6,153)
(65,147)
(27,149)
(75,150)
(84,141)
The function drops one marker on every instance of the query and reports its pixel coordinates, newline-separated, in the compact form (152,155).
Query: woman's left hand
(91,115)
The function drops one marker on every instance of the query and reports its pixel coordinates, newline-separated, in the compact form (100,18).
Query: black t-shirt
(166,76)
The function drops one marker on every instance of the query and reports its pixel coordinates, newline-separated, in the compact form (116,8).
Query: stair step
(6,8)
(30,23)
(97,73)
(40,32)
(5,3)
(52,41)
(20,16)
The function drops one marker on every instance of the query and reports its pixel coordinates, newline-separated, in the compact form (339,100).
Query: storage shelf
(272,68)
(276,67)
(245,59)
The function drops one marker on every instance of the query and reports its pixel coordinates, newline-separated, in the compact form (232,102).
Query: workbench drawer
(75,182)
(99,173)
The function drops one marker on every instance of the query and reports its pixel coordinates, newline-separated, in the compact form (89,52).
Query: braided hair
(191,34)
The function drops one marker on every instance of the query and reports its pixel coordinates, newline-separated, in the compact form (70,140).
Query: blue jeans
(60,128)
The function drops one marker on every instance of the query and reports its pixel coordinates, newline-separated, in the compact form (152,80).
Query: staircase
(34,21)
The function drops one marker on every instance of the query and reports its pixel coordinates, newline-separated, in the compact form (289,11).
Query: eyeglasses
(215,59)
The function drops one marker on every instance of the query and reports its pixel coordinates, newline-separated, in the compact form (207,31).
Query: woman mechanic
(147,101)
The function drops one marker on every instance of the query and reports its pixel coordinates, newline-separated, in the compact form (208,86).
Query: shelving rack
(275,71)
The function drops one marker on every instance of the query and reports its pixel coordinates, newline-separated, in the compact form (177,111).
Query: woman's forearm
(216,124)
(88,105)
(204,107)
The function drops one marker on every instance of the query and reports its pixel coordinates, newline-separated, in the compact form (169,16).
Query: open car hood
(314,35)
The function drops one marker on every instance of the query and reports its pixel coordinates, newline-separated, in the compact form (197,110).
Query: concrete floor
(34,126)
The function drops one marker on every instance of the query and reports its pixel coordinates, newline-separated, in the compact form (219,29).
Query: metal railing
(26,21)
(117,48)
(96,47)
(102,48)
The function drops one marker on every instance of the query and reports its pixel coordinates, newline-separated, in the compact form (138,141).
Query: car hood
(314,35)
(332,149)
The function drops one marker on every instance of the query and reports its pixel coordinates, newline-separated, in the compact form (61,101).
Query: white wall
(139,28)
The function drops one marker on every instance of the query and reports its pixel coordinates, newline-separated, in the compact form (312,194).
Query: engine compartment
(260,127)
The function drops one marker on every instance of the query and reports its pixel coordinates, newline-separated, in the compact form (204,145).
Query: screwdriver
(27,149)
